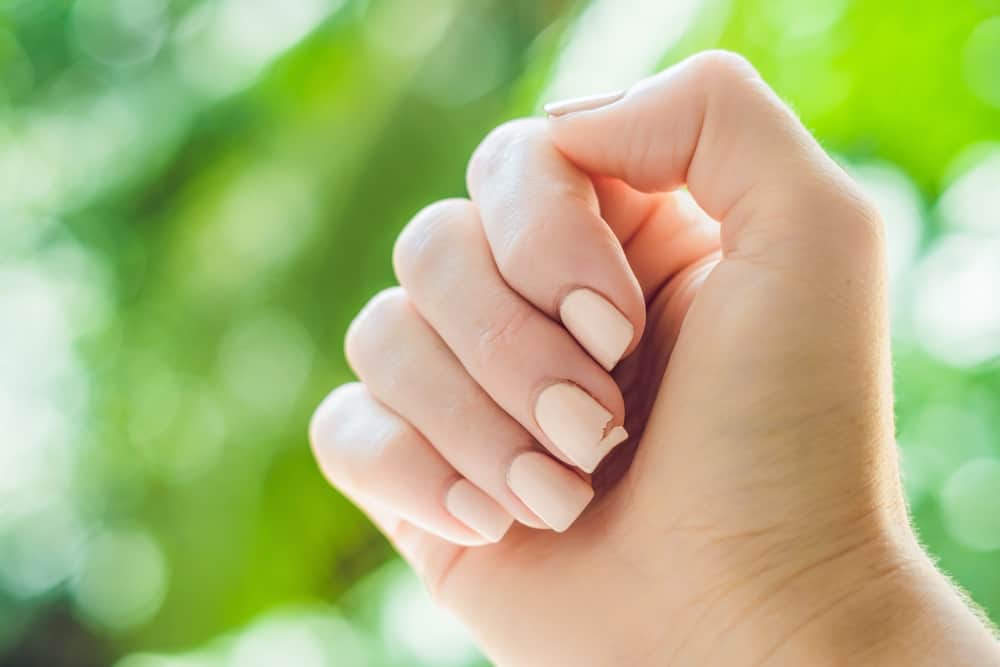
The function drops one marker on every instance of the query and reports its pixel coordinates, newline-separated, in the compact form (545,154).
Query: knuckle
(522,248)
(373,326)
(430,237)
(845,225)
(519,249)
(863,220)
(390,440)
(353,437)
(327,426)
(730,78)
(724,66)
(502,145)
(329,409)
(503,333)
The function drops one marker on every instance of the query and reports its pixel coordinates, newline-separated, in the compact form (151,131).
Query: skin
(755,515)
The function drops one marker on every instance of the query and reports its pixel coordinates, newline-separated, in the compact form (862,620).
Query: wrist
(884,605)
(917,616)
(875,600)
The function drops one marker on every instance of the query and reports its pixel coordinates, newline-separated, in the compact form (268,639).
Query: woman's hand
(754,513)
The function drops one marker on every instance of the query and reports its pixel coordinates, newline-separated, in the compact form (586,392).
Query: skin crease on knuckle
(369,336)
(826,196)
(330,412)
(498,337)
(502,148)
(425,243)
(341,423)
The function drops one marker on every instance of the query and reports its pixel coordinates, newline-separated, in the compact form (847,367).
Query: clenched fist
(631,403)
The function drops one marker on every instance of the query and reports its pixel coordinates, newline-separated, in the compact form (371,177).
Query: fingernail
(477,510)
(551,491)
(588,103)
(615,437)
(575,423)
(599,327)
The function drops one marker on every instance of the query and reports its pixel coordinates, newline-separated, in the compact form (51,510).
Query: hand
(754,514)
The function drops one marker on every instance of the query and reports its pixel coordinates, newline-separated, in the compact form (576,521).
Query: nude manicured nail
(588,103)
(477,510)
(551,491)
(576,424)
(599,327)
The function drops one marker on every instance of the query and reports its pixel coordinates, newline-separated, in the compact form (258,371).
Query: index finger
(550,244)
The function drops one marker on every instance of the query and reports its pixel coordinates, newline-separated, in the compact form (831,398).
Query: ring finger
(407,366)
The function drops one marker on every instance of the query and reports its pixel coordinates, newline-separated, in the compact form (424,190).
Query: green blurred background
(195,196)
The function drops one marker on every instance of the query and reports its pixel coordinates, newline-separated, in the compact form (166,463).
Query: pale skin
(734,282)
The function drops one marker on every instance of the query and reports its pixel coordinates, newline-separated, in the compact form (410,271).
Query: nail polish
(576,424)
(555,494)
(587,103)
(475,509)
(597,325)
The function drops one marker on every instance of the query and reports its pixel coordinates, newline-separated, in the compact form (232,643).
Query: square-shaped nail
(555,494)
(603,331)
(478,511)
(576,424)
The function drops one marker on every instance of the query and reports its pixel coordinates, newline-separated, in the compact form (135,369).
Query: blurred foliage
(196,195)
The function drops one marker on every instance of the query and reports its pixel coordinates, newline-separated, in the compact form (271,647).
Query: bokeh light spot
(298,638)
(264,362)
(423,24)
(467,64)
(646,29)
(970,501)
(154,404)
(902,213)
(972,200)
(198,439)
(956,312)
(261,221)
(803,19)
(982,61)
(966,428)
(123,579)
(151,660)
(222,46)
(293,635)
(120,32)
(41,549)
(411,620)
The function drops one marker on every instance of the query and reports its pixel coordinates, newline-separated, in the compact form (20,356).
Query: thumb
(710,123)
(786,342)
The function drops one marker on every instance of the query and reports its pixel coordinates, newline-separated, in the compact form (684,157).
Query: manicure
(576,424)
(555,494)
(597,325)
(588,103)
(477,510)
